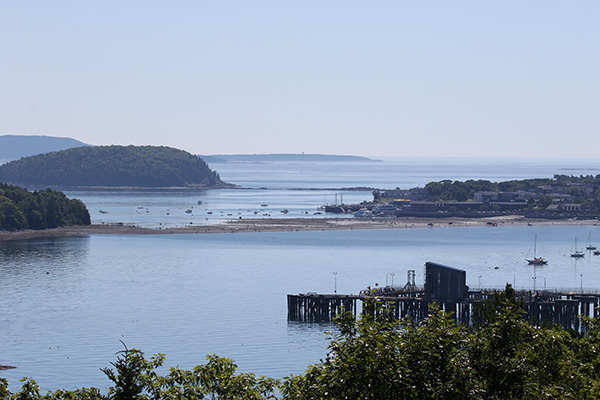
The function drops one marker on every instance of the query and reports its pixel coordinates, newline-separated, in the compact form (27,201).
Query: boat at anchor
(536,260)
(576,253)
(590,246)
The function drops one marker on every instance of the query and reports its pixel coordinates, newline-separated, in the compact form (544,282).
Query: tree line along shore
(45,209)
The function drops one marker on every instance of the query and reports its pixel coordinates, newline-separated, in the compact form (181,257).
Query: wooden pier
(313,307)
(446,287)
(565,309)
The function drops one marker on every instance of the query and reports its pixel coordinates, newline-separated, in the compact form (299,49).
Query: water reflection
(49,255)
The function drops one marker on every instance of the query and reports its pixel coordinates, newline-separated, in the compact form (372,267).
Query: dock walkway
(563,308)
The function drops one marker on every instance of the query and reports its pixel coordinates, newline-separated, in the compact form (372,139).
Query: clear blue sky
(381,78)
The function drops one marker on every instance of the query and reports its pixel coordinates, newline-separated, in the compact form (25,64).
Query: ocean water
(404,173)
(67,303)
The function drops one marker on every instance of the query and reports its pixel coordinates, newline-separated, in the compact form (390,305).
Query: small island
(112,166)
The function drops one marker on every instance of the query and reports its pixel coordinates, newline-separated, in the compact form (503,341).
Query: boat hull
(537,261)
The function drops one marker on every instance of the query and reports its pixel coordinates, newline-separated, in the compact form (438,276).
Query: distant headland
(13,147)
(299,157)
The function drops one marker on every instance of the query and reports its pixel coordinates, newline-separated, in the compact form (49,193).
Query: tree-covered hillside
(111,166)
(22,209)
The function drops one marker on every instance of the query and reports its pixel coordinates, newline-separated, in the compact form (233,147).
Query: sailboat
(590,246)
(536,260)
(576,253)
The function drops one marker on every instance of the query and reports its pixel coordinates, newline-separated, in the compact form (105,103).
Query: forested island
(112,166)
(45,209)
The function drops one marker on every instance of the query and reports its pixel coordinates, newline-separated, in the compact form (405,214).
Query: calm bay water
(404,173)
(67,302)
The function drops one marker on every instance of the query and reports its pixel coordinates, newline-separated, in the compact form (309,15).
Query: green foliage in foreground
(382,358)
(45,209)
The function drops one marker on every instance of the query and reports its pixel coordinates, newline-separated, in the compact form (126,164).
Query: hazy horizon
(390,79)
(372,157)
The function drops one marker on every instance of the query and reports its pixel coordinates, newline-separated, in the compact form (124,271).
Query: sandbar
(294,225)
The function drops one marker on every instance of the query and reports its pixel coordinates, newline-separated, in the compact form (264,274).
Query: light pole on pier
(335,282)
(386,278)
(581,277)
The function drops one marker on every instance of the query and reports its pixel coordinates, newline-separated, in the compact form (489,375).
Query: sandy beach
(294,225)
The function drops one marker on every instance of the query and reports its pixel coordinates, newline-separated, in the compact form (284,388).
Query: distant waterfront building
(486,197)
(408,194)
(560,207)
(560,197)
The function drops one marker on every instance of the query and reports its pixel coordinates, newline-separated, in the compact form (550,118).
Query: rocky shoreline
(293,225)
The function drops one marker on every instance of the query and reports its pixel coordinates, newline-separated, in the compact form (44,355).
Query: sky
(380,78)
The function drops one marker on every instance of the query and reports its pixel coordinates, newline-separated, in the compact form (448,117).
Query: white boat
(363,212)
(576,253)
(536,260)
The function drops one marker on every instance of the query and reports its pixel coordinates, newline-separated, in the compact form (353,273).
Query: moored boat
(576,253)
(536,260)
(590,246)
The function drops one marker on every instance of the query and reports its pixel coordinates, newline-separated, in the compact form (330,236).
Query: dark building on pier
(443,283)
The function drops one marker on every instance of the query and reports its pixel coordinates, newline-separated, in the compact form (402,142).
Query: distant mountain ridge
(112,166)
(13,147)
(298,157)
